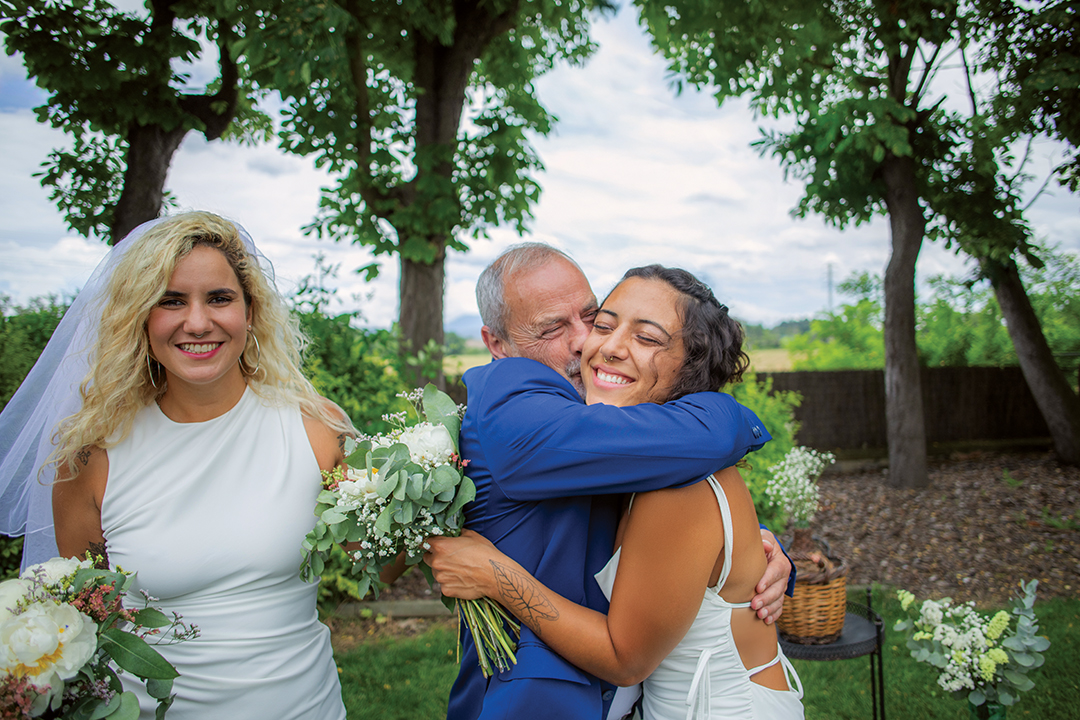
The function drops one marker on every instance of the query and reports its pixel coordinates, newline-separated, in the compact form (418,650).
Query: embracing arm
(77,505)
(540,441)
(669,551)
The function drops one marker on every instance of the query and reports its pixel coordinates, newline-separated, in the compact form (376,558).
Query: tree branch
(202,106)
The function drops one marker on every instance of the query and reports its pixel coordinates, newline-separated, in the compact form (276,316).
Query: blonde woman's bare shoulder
(328,442)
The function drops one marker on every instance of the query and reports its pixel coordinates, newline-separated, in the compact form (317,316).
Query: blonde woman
(193,458)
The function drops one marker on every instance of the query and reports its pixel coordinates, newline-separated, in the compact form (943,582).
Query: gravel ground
(986,521)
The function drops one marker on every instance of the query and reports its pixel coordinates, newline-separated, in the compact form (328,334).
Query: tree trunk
(421,317)
(905,421)
(1057,402)
(150,152)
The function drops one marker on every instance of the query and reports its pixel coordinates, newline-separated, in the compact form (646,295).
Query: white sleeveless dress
(210,516)
(704,677)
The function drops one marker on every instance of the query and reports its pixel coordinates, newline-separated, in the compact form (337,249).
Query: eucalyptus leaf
(133,654)
(333,516)
(466,493)
(415,486)
(444,478)
(162,707)
(97,708)
(976,697)
(159,689)
(382,523)
(152,618)
(129,708)
(440,409)
(1038,644)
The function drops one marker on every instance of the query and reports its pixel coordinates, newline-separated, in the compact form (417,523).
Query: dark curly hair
(712,340)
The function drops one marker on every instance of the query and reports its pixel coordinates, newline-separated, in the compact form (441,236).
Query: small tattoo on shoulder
(100,554)
(83,456)
(341,441)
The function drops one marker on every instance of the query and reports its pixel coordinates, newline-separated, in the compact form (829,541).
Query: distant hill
(466,326)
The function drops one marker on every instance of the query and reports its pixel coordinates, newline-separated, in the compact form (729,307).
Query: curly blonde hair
(120,383)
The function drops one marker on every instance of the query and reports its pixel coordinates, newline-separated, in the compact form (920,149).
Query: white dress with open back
(211,516)
(704,677)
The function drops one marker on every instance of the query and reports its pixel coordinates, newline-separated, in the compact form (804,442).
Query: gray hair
(491,287)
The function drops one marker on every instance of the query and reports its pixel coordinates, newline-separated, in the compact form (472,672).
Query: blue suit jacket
(549,473)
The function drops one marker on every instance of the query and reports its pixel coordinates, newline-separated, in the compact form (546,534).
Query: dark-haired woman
(686,560)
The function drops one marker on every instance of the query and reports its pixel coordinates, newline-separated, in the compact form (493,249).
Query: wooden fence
(844,410)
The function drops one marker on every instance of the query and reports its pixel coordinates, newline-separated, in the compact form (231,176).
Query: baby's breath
(793,486)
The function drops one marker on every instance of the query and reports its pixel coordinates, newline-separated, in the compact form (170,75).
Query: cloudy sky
(633,175)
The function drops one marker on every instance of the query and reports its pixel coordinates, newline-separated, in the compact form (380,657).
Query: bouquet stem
(487,620)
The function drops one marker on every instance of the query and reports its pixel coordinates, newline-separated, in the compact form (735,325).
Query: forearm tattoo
(523,596)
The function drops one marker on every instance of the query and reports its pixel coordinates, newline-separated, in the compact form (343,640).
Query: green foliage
(10,557)
(109,72)
(849,339)
(776,411)
(24,332)
(959,325)
(354,367)
(759,337)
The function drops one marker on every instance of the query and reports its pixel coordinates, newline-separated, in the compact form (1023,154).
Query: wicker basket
(815,615)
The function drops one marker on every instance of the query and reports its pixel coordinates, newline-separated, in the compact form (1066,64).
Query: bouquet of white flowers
(793,486)
(62,629)
(395,491)
(987,659)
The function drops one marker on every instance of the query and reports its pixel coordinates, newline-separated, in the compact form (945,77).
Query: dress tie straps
(700,688)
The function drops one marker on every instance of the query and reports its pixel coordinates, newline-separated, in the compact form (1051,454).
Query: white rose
(53,571)
(428,444)
(47,642)
(11,592)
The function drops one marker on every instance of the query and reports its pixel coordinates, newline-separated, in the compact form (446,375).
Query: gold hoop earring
(258,356)
(150,371)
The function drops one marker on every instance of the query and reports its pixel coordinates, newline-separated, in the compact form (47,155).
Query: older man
(549,470)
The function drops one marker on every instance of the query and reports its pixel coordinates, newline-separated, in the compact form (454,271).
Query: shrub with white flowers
(985,658)
(396,490)
(793,486)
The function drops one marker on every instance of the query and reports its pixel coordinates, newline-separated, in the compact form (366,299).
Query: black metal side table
(863,634)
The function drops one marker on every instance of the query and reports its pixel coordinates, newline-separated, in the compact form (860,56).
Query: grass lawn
(409,678)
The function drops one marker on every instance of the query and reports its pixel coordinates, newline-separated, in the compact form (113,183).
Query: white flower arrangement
(62,631)
(397,490)
(986,658)
(793,486)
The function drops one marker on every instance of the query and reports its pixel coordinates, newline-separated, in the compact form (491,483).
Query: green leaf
(440,409)
(444,478)
(466,493)
(415,486)
(158,689)
(133,654)
(333,516)
(382,523)
(129,708)
(152,618)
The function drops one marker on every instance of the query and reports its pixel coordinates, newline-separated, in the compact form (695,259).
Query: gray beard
(573,374)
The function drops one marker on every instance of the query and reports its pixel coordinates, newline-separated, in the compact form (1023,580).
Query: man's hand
(769,602)
(463,565)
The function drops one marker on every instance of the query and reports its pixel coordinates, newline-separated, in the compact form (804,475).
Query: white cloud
(634,175)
